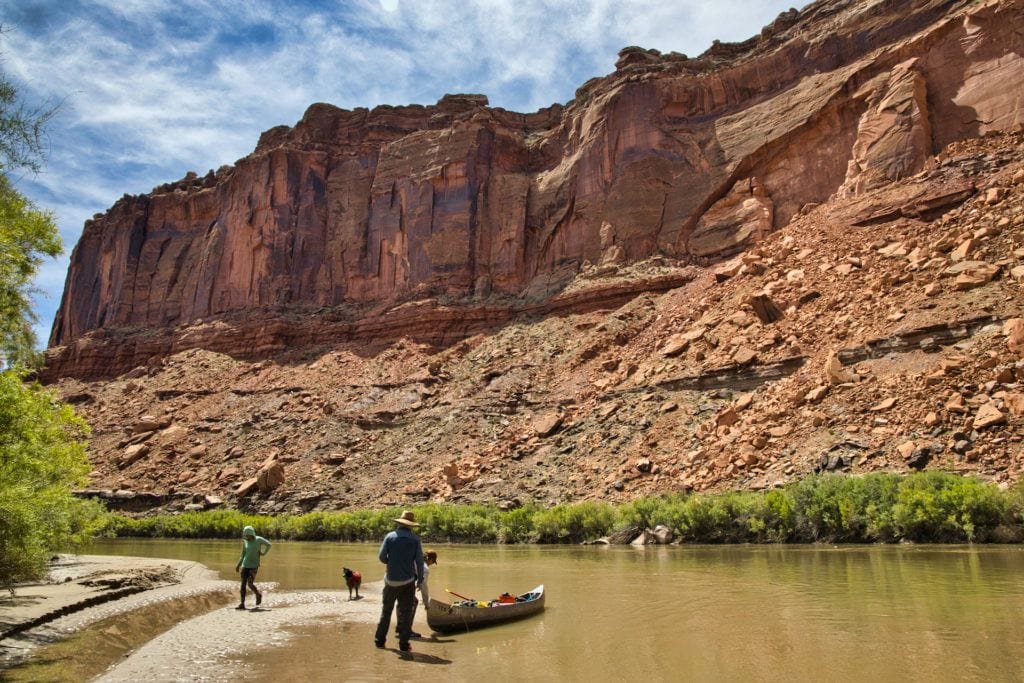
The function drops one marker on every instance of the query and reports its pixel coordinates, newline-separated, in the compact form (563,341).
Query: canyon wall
(350,212)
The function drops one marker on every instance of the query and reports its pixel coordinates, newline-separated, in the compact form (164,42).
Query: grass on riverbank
(934,507)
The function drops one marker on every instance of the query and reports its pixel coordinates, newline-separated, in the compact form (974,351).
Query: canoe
(463,616)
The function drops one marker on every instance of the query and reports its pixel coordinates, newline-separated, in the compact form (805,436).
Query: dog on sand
(352,579)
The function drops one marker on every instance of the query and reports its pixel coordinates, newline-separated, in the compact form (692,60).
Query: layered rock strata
(357,211)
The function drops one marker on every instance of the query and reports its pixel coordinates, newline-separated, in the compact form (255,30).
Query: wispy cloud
(154,89)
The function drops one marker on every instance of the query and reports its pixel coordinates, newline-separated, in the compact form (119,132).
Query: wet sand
(85,589)
(219,643)
(131,618)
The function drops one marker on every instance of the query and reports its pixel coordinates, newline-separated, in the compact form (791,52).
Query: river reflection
(724,613)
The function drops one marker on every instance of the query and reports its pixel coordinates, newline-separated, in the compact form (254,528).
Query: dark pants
(249,578)
(405,596)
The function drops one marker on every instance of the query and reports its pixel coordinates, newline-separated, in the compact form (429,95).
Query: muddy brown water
(729,613)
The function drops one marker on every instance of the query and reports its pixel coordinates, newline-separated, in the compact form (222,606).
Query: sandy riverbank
(132,618)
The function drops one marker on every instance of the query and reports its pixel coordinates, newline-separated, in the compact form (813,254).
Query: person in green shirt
(253,548)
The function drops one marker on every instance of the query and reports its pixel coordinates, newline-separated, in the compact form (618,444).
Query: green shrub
(839,508)
(645,513)
(931,506)
(936,506)
(464,523)
(517,526)
(42,457)
(574,523)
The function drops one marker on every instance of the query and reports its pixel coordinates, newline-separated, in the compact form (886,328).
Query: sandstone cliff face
(353,211)
(881,332)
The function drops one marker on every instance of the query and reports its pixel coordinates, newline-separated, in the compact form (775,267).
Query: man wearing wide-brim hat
(402,552)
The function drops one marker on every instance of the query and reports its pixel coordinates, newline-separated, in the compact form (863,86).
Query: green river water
(721,613)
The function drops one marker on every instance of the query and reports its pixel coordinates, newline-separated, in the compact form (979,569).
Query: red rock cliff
(692,158)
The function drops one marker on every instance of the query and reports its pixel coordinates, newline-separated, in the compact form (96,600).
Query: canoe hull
(446,618)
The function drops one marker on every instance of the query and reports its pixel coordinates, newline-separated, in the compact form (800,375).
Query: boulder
(546,425)
(830,462)
(1014,403)
(625,535)
(727,417)
(270,476)
(975,277)
(1013,329)
(816,395)
(663,535)
(228,474)
(645,537)
(884,405)
(988,415)
(674,345)
(835,373)
(964,249)
(955,403)
(248,486)
(744,355)
(728,270)
(132,454)
(906,449)
(147,423)
(919,458)
(742,402)
(764,308)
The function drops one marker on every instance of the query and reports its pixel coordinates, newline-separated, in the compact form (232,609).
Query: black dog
(352,579)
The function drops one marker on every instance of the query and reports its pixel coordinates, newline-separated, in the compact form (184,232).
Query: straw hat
(407,519)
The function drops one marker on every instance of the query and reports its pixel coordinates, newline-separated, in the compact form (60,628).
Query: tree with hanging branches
(42,448)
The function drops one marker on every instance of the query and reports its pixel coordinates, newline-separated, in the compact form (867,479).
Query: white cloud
(154,90)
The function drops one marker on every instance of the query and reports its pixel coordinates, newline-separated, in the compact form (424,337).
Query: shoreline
(82,590)
(123,618)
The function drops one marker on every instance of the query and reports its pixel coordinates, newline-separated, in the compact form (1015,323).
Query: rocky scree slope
(879,333)
(331,228)
(798,253)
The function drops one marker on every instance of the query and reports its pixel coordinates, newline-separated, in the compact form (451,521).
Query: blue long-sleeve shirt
(402,552)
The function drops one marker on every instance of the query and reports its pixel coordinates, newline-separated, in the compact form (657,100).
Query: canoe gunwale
(444,617)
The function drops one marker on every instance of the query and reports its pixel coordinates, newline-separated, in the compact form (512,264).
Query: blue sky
(153,89)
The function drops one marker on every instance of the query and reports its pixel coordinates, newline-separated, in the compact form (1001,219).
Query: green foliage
(836,508)
(41,458)
(41,455)
(573,523)
(26,233)
(448,523)
(928,507)
(646,512)
(939,507)
(22,129)
(517,526)
(26,236)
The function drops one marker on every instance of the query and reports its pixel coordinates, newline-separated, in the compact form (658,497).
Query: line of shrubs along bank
(934,507)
